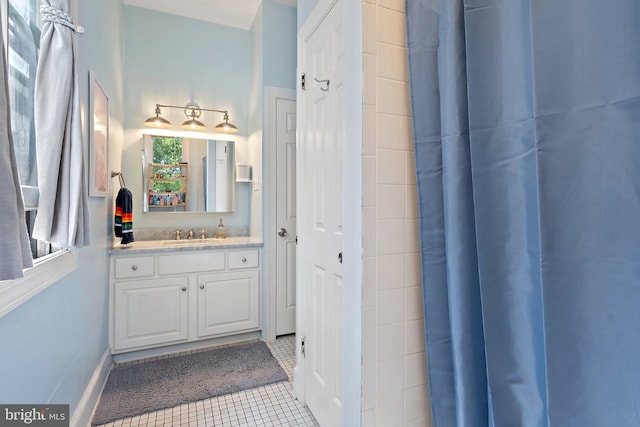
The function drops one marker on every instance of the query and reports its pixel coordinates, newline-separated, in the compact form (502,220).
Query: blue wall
(173,60)
(52,344)
(279,44)
(273,61)
(273,54)
(255,94)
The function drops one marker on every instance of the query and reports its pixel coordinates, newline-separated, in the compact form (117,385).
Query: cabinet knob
(134,267)
(244,259)
(201,286)
(184,289)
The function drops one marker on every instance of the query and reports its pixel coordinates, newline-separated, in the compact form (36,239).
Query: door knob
(340,257)
(282,232)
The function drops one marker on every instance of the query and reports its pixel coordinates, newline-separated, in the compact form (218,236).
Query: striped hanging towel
(123,222)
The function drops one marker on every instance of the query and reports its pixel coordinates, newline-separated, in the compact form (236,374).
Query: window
(21,26)
(167,150)
(23,40)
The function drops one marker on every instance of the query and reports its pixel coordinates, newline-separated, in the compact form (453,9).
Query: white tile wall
(393,4)
(389,409)
(390,307)
(394,370)
(415,370)
(413,269)
(391,166)
(393,132)
(391,233)
(369,131)
(414,397)
(391,27)
(390,341)
(390,375)
(393,204)
(390,273)
(392,63)
(413,302)
(393,97)
(414,339)
(369,23)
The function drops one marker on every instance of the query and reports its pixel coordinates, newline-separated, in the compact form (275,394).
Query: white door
(286,216)
(320,226)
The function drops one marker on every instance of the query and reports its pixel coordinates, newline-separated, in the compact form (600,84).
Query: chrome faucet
(190,235)
(178,237)
(203,234)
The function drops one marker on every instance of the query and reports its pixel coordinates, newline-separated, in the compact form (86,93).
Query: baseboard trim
(84,412)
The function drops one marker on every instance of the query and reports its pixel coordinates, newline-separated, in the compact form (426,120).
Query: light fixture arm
(158,106)
(192,111)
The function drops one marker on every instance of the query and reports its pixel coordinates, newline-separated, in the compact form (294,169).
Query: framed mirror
(187,174)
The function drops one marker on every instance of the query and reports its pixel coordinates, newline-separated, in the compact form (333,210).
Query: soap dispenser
(221,232)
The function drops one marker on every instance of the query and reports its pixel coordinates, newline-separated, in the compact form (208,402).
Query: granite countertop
(186,245)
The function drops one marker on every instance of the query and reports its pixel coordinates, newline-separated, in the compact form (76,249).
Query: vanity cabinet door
(150,312)
(228,303)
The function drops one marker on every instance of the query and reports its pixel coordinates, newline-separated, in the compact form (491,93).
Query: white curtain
(62,216)
(14,243)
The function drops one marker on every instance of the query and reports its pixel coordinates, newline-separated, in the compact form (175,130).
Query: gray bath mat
(134,389)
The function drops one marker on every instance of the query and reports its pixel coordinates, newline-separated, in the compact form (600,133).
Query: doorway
(321,218)
(281,232)
(330,213)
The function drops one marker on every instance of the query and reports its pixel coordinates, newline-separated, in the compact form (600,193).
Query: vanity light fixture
(226,127)
(193,112)
(157,121)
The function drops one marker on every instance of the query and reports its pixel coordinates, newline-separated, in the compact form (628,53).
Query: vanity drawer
(190,263)
(133,267)
(243,259)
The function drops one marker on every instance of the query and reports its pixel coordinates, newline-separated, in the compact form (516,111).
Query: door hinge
(296,239)
(302,347)
(303,83)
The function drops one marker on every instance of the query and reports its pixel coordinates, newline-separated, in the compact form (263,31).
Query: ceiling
(233,13)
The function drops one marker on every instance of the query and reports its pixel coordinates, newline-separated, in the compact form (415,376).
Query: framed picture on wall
(98,138)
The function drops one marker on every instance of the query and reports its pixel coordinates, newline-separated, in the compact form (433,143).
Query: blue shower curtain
(526,118)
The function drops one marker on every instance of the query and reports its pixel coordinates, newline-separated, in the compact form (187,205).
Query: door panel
(321,228)
(286,216)
(150,312)
(228,302)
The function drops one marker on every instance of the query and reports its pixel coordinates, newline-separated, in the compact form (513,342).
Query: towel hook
(326,88)
(119,175)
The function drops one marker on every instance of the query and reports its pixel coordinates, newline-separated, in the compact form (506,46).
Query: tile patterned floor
(271,405)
